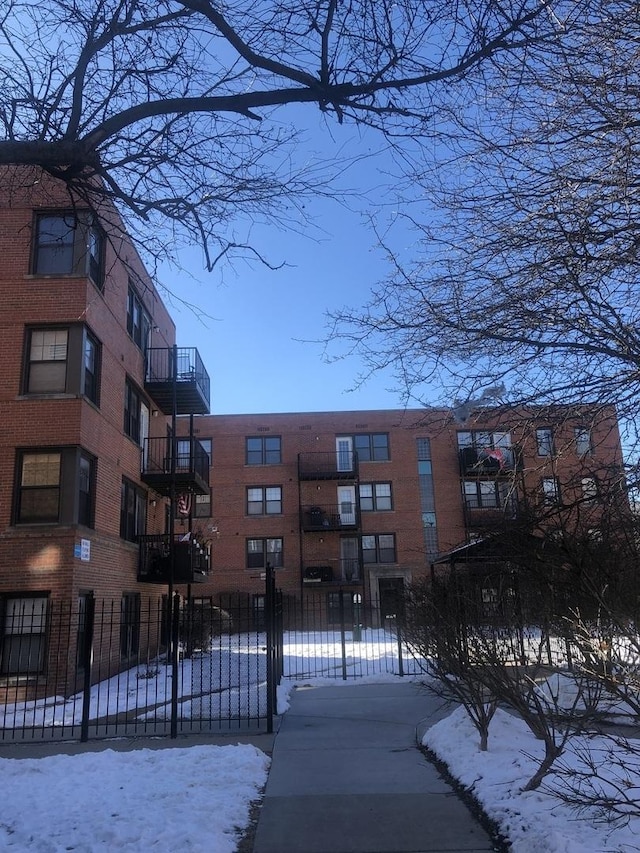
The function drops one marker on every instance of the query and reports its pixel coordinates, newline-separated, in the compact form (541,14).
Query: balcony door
(344,453)
(347,505)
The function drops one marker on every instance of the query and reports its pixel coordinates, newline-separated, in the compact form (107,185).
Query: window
(138,320)
(589,489)
(202,508)
(482,450)
(136,414)
(39,491)
(375,497)
(544,441)
(23,639)
(133,511)
(129,625)
(487,494)
(349,559)
(482,439)
(339,608)
(380,548)
(372,447)
(259,604)
(47,361)
(264,450)
(91,380)
(62,361)
(583,440)
(69,244)
(264,500)
(86,480)
(55,486)
(206,444)
(550,491)
(263,551)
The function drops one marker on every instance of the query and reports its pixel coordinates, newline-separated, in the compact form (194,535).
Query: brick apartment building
(87,399)
(106,426)
(361,503)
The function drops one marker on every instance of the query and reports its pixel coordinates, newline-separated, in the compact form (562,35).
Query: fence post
(342,638)
(399,638)
(175,655)
(87,663)
(270,625)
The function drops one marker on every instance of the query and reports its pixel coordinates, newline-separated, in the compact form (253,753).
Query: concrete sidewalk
(347,777)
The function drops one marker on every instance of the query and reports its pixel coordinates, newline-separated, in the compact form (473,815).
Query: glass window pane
(380,447)
(465,439)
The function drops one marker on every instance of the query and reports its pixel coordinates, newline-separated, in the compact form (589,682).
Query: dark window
(372,447)
(134,408)
(340,608)
(206,444)
(489,494)
(23,638)
(91,383)
(375,497)
(62,360)
(202,507)
(259,621)
(379,548)
(133,511)
(86,490)
(138,320)
(263,551)
(264,500)
(264,450)
(55,486)
(69,244)
(544,441)
(129,625)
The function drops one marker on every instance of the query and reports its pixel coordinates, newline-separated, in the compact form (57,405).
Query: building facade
(116,485)
(356,505)
(86,394)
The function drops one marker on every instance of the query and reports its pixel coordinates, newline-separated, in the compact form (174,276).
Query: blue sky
(258,347)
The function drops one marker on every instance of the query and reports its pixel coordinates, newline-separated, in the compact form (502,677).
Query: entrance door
(344,453)
(347,505)
(391,591)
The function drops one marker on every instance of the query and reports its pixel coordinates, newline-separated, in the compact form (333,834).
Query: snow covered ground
(163,800)
(197,799)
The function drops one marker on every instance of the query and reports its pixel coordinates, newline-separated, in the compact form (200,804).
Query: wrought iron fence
(89,669)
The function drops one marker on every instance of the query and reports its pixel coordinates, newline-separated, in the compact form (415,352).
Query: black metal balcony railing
(181,462)
(191,560)
(334,465)
(487,460)
(333,517)
(183,367)
(341,571)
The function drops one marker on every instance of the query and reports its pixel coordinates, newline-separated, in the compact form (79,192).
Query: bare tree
(174,109)
(528,233)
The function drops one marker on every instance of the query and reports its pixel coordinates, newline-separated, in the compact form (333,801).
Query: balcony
(344,516)
(487,461)
(333,572)
(177,371)
(190,472)
(341,465)
(490,518)
(191,564)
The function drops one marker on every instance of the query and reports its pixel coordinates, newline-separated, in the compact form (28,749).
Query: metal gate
(88,669)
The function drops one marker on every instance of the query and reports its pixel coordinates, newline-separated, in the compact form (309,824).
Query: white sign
(85,550)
